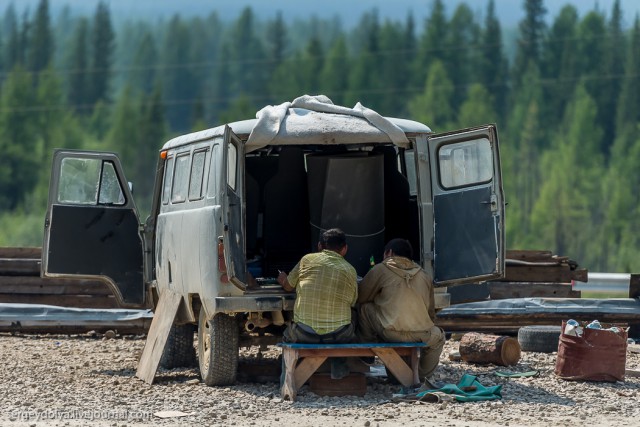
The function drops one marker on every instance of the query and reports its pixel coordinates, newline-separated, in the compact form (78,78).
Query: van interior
(293,193)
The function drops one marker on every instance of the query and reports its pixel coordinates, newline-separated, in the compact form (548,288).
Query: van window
(168,180)
(410,163)
(232,161)
(213,170)
(88,182)
(465,163)
(180,179)
(110,190)
(197,173)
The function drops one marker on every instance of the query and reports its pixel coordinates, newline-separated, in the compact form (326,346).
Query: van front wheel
(218,349)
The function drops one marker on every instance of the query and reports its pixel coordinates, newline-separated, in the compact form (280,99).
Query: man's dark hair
(400,247)
(333,239)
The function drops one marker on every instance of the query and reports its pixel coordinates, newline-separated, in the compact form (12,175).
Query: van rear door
(468,206)
(91,226)
(233,208)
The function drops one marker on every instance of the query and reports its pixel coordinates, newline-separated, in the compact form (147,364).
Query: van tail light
(222,265)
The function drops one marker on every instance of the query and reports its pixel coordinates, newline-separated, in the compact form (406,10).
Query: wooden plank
(529,255)
(549,274)
(306,368)
(290,359)
(396,365)
(351,351)
(19,267)
(504,290)
(163,318)
(125,327)
(52,286)
(79,301)
(17,252)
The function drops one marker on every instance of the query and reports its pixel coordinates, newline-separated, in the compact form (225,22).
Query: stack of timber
(22,286)
(530,274)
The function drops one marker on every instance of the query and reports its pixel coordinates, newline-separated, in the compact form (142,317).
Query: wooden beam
(19,267)
(51,286)
(533,273)
(396,365)
(163,318)
(16,252)
(504,290)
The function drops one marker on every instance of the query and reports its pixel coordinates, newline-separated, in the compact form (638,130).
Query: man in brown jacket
(397,305)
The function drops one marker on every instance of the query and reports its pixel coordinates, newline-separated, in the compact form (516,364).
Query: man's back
(326,290)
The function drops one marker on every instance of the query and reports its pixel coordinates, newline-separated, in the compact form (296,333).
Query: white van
(234,204)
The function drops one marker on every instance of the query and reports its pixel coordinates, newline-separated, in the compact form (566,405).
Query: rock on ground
(90,380)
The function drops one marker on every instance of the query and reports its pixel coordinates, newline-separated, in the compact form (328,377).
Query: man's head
(398,247)
(335,240)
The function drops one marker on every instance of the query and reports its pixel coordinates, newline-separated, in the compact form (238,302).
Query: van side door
(233,209)
(91,226)
(468,206)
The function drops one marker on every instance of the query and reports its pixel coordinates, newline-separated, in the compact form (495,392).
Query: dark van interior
(293,194)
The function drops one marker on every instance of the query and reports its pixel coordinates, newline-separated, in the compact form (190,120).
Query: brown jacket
(402,293)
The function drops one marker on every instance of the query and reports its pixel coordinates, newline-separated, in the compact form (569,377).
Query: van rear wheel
(218,349)
(179,351)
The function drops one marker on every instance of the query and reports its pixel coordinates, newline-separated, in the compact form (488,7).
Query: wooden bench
(300,361)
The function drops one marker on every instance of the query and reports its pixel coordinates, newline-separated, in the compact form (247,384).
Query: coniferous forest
(564,91)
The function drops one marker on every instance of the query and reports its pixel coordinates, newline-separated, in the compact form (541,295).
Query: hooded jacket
(402,293)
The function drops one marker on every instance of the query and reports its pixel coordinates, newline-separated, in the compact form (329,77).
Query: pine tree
(462,59)
(12,51)
(560,64)
(41,39)
(433,106)
(334,77)
(532,32)
(477,109)
(144,66)
(102,51)
(493,65)
(628,110)
(276,42)
(78,78)
(364,77)
(430,47)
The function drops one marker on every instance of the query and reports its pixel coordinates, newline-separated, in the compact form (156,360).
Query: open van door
(233,208)
(468,206)
(91,227)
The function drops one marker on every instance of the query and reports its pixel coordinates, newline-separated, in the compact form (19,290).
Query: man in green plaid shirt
(326,290)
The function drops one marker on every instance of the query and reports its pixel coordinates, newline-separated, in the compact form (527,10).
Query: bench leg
(288,388)
(396,365)
(414,365)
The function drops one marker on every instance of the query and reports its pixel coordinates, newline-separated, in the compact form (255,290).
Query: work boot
(339,368)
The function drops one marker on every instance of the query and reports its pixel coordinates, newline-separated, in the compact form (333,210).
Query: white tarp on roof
(308,117)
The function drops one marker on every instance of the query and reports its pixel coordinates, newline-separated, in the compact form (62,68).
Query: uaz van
(235,204)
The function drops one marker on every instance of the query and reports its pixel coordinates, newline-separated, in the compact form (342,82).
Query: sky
(510,12)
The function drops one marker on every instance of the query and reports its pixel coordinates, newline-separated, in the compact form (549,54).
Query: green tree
(565,215)
(532,32)
(276,42)
(462,60)
(364,77)
(628,111)
(430,46)
(102,51)
(18,139)
(78,78)
(144,68)
(560,64)
(334,76)
(40,50)
(493,68)
(433,106)
(123,135)
(477,109)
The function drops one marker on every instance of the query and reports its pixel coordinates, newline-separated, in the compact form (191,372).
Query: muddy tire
(179,351)
(541,339)
(218,349)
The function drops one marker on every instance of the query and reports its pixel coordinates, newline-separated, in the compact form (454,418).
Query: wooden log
(529,255)
(79,301)
(548,274)
(483,348)
(51,286)
(504,290)
(19,267)
(26,252)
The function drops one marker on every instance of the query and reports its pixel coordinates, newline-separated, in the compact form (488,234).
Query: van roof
(308,128)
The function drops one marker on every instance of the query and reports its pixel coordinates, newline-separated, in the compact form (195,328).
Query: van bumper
(253,304)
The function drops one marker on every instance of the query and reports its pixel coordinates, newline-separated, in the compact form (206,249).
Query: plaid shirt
(326,289)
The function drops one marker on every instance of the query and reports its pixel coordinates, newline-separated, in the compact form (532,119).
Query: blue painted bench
(300,361)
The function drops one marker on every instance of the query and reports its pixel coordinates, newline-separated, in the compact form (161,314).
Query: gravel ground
(90,380)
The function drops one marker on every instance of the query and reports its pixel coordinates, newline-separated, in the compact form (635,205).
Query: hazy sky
(350,11)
